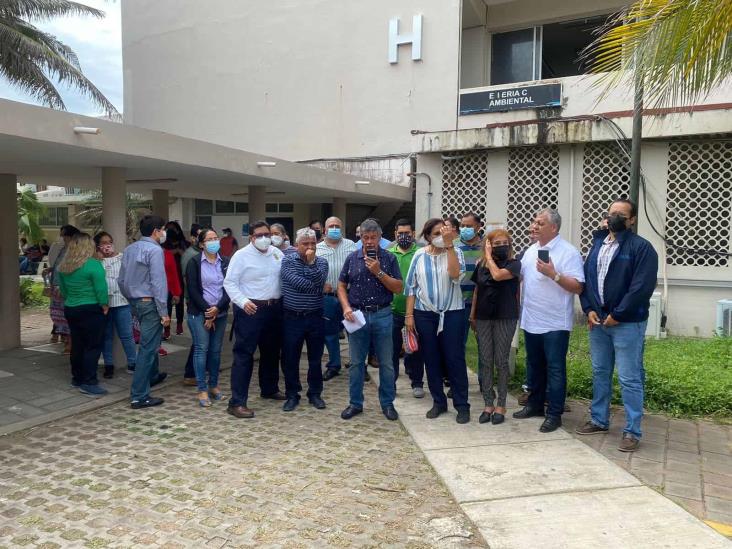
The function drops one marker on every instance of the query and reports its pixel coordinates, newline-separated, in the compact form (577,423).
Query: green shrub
(684,376)
(31,293)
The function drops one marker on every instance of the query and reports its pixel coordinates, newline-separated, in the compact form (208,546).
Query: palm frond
(31,58)
(45,9)
(681,49)
(29,215)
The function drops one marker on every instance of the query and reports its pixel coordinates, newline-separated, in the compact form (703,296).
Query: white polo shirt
(547,307)
(254,275)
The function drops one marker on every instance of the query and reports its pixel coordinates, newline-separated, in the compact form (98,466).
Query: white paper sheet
(359,321)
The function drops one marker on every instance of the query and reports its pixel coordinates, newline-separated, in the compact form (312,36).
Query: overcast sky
(97,43)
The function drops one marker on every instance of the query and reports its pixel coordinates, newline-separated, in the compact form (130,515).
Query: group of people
(286,295)
(31,255)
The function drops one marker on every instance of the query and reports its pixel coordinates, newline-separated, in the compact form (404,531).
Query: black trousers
(263,329)
(86,324)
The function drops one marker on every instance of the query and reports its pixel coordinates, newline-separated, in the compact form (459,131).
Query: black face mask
(404,241)
(500,253)
(318,234)
(616,223)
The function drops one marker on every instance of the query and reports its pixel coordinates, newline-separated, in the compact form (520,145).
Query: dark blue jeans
(206,350)
(413,364)
(332,316)
(377,333)
(263,329)
(299,329)
(151,332)
(546,359)
(446,348)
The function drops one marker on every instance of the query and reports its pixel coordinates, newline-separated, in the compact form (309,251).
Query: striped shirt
(111,272)
(302,284)
(604,258)
(336,257)
(431,286)
(471,254)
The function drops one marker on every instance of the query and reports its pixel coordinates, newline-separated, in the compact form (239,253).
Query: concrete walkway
(523,488)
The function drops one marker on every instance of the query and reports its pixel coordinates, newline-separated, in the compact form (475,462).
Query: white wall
(299,79)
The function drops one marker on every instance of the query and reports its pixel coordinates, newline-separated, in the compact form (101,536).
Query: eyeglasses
(260,235)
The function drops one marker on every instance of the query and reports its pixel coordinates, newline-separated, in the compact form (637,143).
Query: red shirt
(171,273)
(228,246)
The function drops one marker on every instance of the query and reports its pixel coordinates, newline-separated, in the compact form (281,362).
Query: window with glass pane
(204,207)
(242,207)
(225,207)
(203,220)
(286,208)
(271,207)
(513,56)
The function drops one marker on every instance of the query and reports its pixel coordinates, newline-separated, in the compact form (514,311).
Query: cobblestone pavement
(690,462)
(182,476)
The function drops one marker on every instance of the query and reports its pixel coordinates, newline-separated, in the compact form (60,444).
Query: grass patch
(31,294)
(685,377)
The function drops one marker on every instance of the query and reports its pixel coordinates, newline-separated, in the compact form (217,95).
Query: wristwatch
(380,274)
(557,277)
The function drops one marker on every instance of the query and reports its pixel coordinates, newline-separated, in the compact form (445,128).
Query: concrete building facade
(484,99)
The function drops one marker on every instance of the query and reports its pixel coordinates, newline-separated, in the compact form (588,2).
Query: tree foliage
(29,215)
(679,49)
(32,59)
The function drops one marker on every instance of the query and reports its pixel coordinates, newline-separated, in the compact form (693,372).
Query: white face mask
(277,241)
(162,238)
(262,243)
(438,242)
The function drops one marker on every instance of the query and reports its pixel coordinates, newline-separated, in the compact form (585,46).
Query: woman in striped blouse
(436,311)
(120,314)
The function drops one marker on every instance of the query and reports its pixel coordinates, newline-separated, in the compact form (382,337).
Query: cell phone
(544,256)
(371,253)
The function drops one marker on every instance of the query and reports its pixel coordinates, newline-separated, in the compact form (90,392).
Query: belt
(332,294)
(145,298)
(371,308)
(265,302)
(304,313)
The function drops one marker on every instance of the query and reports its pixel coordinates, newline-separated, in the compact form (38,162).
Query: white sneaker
(418,392)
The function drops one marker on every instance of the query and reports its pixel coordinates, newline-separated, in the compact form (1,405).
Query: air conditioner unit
(724,317)
(653,328)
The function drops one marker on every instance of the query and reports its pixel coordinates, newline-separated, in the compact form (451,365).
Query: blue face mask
(213,246)
(334,233)
(467,233)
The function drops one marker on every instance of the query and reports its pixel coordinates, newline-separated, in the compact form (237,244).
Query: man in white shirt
(253,284)
(334,248)
(549,287)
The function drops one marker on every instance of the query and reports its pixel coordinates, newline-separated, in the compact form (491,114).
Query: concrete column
(9,279)
(300,215)
(160,199)
(339,211)
(257,200)
(114,221)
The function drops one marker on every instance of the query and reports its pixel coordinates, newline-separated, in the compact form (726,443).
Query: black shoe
(485,417)
(108,372)
(330,373)
(449,393)
(350,411)
(446,381)
(497,419)
(279,395)
(463,416)
(317,402)
(390,413)
(149,402)
(435,412)
(366,376)
(551,424)
(290,404)
(527,412)
(158,379)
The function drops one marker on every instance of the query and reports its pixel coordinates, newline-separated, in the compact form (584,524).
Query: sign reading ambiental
(510,99)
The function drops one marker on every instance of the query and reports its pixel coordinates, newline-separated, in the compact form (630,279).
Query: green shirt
(86,285)
(471,254)
(404,259)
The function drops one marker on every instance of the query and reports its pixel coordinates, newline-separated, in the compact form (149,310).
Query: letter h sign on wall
(414,38)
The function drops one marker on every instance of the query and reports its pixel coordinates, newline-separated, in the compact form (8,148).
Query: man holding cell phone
(553,274)
(368,282)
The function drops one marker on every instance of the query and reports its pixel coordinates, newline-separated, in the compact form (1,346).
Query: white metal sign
(414,38)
